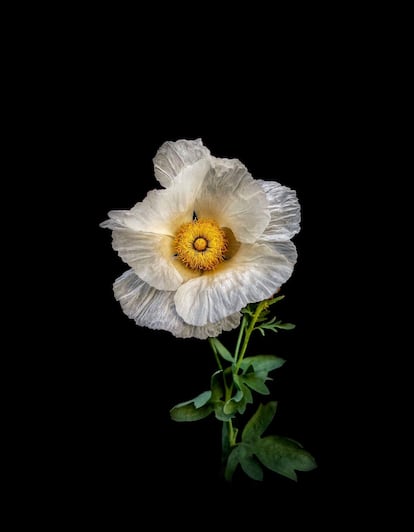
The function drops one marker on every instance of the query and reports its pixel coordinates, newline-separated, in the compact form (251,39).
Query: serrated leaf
(283,456)
(262,362)
(221,350)
(251,467)
(256,383)
(259,422)
(188,412)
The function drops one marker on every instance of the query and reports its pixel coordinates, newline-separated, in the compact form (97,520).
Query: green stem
(216,355)
(241,332)
(245,331)
(249,331)
(232,436)
(228,392)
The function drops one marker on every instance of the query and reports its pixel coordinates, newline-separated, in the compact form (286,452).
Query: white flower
(212,241)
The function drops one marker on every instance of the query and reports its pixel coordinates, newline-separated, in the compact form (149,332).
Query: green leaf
(219,412)
(242,454)
(238,381)
(232,462)
(198,401)
(275,300)
(188,411)
(262,362)
(216,384)
(251,467)
(241,406)
(232,405)
(287,326)
(235,404)
(259,422)
(247,394)
(283,456)
(202,399)
(256,383)
(222,351)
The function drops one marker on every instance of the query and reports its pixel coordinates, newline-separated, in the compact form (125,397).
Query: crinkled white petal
(155,309)
(255,273)
(163,211)
(234,199)
(174,157)
(149,255)
(286,249)
(284,212)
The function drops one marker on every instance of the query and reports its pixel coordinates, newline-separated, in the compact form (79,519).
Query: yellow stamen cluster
(200,244)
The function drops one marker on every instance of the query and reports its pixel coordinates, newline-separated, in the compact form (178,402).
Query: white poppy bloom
(210,242)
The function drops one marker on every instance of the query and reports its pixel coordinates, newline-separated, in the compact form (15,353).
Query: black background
(107,384)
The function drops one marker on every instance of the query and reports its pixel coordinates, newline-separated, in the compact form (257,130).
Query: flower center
(200,244)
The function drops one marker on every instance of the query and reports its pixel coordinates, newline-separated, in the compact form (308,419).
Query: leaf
(232,405)
(247,393)
(259,422)
(216,385)
(188,412)
(256,383)
(219,412)
(251,467)
(287,326)
(283,456)
(275,300)
(262,362)
(243,454)
(202,399)
(222,351)
(232,462)
(241,406)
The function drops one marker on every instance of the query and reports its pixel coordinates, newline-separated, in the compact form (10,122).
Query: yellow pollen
(200,244)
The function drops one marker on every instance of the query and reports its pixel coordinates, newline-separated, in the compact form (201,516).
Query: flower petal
(153,215)
(234,199)
(284,212)
(149,255)
(155,309)
(163,211)
(285,249)
(255,273)
(173,157)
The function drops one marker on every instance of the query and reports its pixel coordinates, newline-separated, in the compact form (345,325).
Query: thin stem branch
(239,339)
(249,331)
